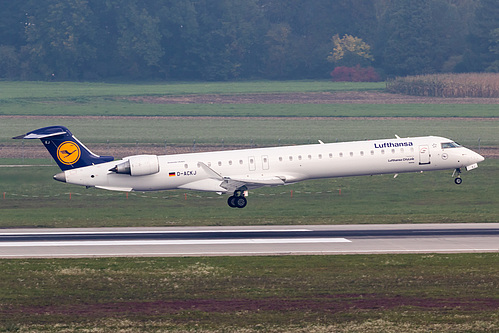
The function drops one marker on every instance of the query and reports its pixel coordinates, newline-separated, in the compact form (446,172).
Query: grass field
(126,108)
(103,99)
(261,131)
(361,293)
(33,199)
(78,91)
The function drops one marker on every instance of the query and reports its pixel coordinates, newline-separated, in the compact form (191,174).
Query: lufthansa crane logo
(68,153)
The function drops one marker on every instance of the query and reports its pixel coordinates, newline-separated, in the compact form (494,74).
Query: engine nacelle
(140,165)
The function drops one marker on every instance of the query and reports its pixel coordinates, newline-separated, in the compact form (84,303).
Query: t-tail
(67,150)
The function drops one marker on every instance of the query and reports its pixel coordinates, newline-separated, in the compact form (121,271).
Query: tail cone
(61,176)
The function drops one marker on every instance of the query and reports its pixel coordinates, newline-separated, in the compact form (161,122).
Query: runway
(249,241)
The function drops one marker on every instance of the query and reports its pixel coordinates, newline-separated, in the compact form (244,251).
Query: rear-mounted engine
(140,165)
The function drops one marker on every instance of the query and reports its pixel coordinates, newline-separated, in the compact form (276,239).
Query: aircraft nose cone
(61,176)
(478,158)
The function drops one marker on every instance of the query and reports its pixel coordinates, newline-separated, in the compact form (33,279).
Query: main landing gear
(237,200)
(458,180)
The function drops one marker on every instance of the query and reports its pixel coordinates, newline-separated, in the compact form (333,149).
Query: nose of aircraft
(479,158)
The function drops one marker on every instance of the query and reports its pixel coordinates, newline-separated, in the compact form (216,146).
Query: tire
(232,201)
(241,202)
(458,181)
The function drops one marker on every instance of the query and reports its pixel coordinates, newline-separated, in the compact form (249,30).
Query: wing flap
(232,184)
(208,185)
(114,188)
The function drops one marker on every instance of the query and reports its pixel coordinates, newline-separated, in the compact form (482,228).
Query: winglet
(210,172)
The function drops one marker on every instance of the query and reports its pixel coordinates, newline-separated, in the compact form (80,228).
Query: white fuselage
(224,171)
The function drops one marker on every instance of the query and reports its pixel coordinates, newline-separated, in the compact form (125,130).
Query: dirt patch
(324,304)
(340,97)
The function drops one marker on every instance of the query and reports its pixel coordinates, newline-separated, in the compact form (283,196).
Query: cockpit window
(450,145)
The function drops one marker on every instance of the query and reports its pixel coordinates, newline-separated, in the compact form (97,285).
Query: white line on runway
(147,232)
(180,242)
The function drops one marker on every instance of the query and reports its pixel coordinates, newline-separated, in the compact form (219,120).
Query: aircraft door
(252,163)
(424,154)
(265,162)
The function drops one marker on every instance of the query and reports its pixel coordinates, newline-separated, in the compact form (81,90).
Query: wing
(217,183)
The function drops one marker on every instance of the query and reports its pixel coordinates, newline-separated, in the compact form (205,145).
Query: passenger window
(393,151)
(341,154)
(372,152)
(280,159)
(240,161)
(299,157)
(230,162)
(219,163)
(361,153)
(330,155)
(309,157)
(320,156)
(291,158)
(351,154)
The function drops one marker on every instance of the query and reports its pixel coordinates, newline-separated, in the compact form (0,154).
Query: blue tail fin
(67,151)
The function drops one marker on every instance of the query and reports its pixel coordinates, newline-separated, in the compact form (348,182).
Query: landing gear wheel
(458,180)
(241,202)
(232,201)
(237,200)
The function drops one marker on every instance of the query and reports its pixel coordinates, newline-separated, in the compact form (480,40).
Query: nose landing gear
(458,180)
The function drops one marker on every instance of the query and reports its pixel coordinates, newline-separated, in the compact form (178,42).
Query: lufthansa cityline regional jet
(236,171)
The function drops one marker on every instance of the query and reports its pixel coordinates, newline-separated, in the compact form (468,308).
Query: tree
(482,37)
(494,48)
(137,38)
(60,38)
(231,32)
(405,50)
(350,51)
(9,62)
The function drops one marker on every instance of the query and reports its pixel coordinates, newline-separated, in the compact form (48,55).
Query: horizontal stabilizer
(43,133)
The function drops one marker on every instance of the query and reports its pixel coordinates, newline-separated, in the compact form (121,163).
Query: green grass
(246,131)
(78,91)
(103,99)
(375,293)
(111,107)
(33,199)
(360,293)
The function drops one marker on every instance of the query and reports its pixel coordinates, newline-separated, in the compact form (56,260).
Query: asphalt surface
(258,240)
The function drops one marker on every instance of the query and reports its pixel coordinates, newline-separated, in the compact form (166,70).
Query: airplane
(235,172)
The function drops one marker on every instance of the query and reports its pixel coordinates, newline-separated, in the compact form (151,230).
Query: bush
(355,74)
